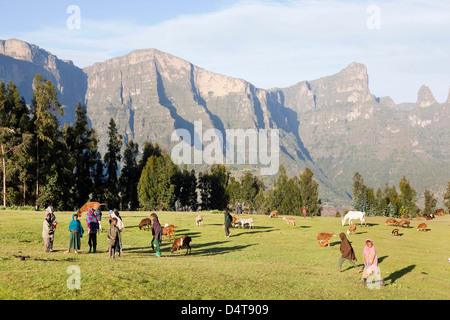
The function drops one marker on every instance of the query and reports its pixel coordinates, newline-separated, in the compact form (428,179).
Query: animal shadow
(400,273)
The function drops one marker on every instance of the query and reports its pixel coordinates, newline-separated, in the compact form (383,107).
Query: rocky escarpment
(20,62)
(334,124)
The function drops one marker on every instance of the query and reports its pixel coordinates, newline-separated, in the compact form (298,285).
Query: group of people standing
(94,226)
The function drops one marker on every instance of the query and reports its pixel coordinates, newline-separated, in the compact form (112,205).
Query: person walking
(76,233)
(347,253)
(370,263)
(47,232)
(157,234)
(228,222)
(92,225)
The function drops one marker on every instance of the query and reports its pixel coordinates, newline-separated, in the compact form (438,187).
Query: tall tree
(430,202)
(408,197)
(186,189)
(213,185)
(129,177)
(82,143)
(45,126)
(111,160)
(310,193)
(156,187)
(447,197)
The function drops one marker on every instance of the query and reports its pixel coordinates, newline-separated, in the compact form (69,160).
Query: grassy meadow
(271,261)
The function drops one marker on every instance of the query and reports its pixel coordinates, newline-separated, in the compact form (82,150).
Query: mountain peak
(425,97)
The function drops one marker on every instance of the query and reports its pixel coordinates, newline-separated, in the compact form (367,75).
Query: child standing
(370,262)
(98,214)
(113,237)
(76,233)
(47,232)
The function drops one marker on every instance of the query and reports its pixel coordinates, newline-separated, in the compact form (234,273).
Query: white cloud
(277,45)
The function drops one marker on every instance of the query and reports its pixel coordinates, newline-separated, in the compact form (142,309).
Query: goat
(274,214)
(428,216)
(422,227)
(351,229)
(181,242)
(289,220)
(394,232)
(439,212)
(198,220)
(404,222)
(145,222)
(324,238)
(168,230)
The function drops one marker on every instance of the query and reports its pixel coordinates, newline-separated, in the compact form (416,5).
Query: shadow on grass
(216,250)
(400,273)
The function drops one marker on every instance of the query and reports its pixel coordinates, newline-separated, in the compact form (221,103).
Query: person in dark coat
(347,253)
(157,234)
(98,215)
(228,223)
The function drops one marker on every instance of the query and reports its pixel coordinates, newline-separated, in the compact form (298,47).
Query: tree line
(391,203)
(44,164)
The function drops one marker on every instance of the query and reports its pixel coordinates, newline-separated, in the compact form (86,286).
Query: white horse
(354,215)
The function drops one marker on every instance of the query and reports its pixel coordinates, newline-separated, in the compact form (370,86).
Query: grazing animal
(394,232)
(404,223)
(439,212)
(289,220)
(274,214)
(428,216)
(169,230)
(391,222)
(422,227)
(324,238)
(351,229)
(145,222)
(417,217)
(242,222)
(198,220)
(181,242)
(354,215)
(89,205)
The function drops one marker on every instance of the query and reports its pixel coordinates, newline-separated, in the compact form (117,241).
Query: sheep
(145,222)
(422,227)
(198,220)
(394,232)
(289,220)
(390,222)
(242,222)
(404,222)
(351,229)
(168,230)
(324,238)
(181,242)
(274,214)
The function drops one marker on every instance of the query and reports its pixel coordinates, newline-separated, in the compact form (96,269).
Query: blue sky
(404,43)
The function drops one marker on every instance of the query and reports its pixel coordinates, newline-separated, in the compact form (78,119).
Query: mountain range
(334,124)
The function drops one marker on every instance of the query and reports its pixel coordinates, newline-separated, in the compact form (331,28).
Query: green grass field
(272,261)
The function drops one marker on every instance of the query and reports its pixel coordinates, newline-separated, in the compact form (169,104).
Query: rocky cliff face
(20,62)
(334,125)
